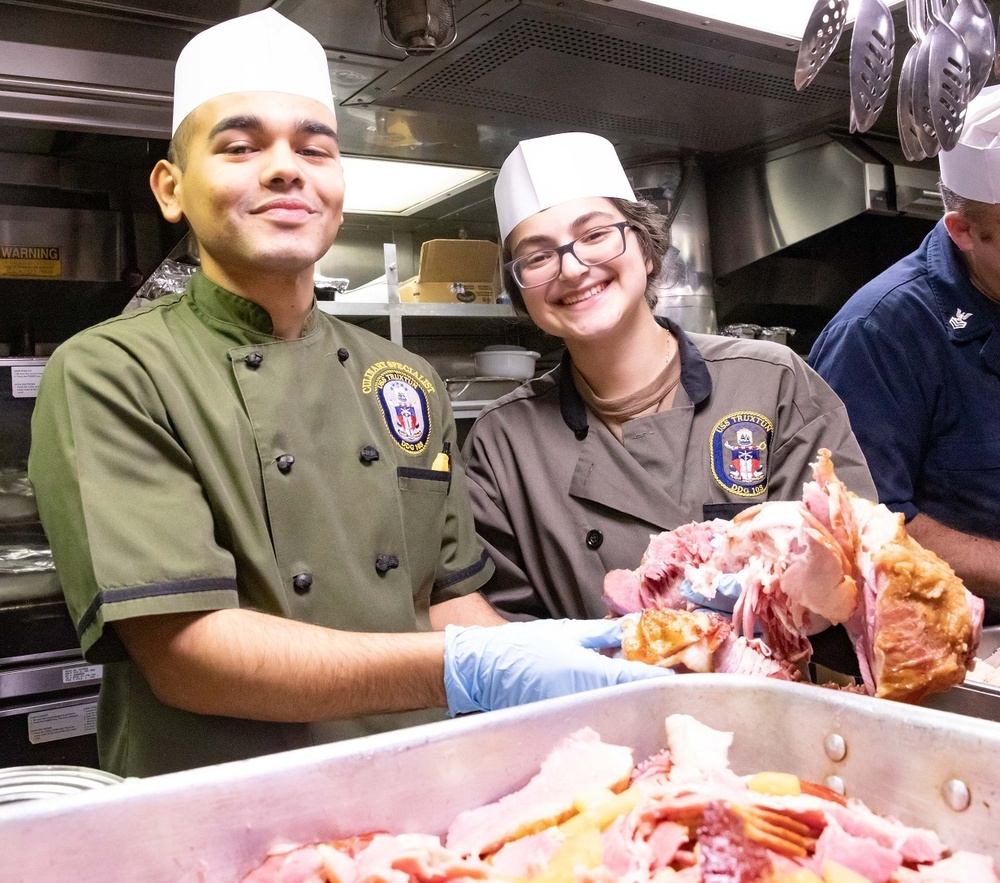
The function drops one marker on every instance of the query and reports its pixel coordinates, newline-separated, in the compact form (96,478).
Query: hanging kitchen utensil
(823,30)
(949,78)
(973,23)
(872,50)
(922,114)
(909,129)
(996,61)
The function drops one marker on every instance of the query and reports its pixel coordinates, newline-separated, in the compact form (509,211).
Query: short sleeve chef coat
(915,355)
(559,501)
(185,459)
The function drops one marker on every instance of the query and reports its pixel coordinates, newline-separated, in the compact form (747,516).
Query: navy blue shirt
(915,355)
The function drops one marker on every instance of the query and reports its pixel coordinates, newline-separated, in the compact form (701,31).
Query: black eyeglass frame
(563,250)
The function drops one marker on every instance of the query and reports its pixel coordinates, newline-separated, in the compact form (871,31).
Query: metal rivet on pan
(836,747)
(835,783)
(956,794)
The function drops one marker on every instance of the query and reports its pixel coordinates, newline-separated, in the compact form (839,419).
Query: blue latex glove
(727,591)
(508,665)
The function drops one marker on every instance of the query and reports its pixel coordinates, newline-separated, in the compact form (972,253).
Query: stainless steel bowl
(36,782)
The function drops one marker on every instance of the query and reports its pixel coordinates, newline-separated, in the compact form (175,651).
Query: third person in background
(915,355)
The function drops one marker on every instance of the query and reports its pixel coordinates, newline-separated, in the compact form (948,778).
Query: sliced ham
(862,855)
(688,819)
(579,763)
(675,638)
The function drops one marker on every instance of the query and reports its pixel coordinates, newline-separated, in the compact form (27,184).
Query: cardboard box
(453,271)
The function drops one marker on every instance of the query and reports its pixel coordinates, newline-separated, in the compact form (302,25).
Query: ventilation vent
(531,34)
(588,75)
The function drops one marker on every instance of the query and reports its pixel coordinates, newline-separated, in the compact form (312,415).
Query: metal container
(43,781)
(973,698)
(215,824)
(741,329)
(776,333)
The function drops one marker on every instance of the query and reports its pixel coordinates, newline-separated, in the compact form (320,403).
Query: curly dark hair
(650,228)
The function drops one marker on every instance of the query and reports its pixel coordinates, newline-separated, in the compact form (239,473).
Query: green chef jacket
(185,459)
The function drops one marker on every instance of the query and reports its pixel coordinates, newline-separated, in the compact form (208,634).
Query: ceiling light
(386,187)
(776,22)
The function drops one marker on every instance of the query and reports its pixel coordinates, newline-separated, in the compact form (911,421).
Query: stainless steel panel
(652,86)
(48,678)
(89,242)
(766,204)
(217,823)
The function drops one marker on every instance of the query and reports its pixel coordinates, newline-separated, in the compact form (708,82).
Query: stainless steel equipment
(48,693)
(873,44)
(214,825)
(823,30)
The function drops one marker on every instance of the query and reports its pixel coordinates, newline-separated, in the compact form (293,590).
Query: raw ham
(688,818)
(830,558)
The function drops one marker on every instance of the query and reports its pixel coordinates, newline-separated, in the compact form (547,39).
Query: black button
(369,454)
(254,360)
(385,563)
(302,583)
(343,354)
(285,462)
(581,434)
(594,539)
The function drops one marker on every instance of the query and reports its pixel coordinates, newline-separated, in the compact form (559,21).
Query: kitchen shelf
(422,319)
(396,320)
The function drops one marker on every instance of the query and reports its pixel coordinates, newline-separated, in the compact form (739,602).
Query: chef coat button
(581,434)
(302,583)
(343,354)
(594,539)
(385,563)
(254,360)
(369,454)
(285,462)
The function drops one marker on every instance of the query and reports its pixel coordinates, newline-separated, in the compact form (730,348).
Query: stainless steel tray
(973,698)
(215,824)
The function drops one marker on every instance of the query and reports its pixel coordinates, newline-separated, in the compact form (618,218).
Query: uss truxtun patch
(741,443)
(402,395)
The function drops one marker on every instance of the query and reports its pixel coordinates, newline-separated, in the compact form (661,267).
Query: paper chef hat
(260,52)
(543,172)
(972,167)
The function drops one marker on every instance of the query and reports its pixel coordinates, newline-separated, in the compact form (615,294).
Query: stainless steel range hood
(767,202)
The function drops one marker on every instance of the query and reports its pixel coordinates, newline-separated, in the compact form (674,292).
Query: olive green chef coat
(185,459)
(559,501)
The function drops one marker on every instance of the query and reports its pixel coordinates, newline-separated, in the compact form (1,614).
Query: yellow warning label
(30,261)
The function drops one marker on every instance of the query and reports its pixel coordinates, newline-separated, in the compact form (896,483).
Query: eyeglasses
(597,246)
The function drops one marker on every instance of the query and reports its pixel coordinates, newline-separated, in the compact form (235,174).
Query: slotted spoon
(872,50)
(949,77)
(909,130)
(922,112)
(972,21)
(823,30)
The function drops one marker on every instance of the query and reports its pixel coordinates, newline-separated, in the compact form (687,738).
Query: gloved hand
(486,668)
(727,591)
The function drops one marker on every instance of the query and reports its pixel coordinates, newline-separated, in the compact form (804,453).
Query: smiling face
(583,303)
(262,186)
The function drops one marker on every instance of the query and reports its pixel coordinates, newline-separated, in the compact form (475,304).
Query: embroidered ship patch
(402,395)
(740,444)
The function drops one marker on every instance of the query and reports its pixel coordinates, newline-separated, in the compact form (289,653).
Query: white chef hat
(972,167)
(543,172)
(260,52)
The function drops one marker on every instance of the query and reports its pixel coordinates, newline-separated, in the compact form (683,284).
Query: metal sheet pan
(214,824)
(973,698)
